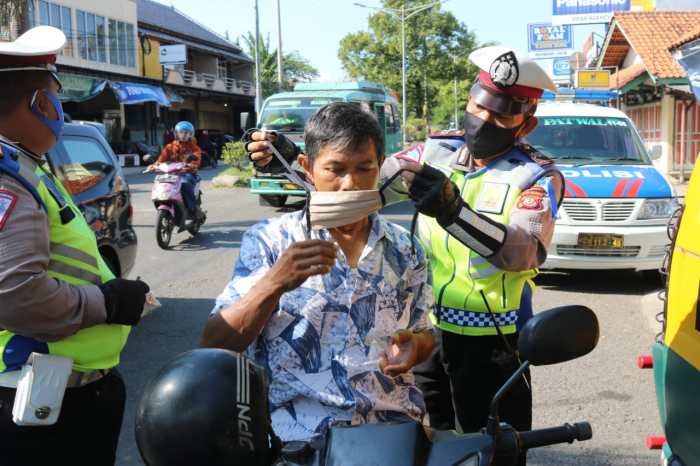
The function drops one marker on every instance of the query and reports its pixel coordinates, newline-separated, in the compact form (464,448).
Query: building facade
(111,71)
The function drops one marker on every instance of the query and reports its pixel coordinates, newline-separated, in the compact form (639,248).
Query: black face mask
(484,139)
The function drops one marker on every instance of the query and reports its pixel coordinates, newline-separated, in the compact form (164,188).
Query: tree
(296,67)
(12,13)
(437,47)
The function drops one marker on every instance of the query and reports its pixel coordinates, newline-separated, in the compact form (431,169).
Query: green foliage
(243,174)
(12,11)
(437,48)
(443,114)
(234,154)
(295,67)
(416,129)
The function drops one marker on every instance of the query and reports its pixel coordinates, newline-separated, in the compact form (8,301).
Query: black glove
(435,195)
(124,300)
(284,146)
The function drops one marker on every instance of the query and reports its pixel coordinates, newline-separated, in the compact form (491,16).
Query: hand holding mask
(433,193)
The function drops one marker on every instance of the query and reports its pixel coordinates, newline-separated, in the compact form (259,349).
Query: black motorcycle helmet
(207,406)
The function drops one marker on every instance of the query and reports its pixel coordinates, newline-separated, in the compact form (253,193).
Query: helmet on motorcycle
(207,406)
(184,131)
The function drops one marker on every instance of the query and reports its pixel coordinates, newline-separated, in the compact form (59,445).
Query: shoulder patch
(532,198)
(8,199)
(535,155)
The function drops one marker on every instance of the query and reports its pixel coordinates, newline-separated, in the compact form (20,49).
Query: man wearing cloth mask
(488,205)
(336,313)
(57,295)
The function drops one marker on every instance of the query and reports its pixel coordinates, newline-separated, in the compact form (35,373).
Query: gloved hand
(124,300)
(258,152)
(433,193)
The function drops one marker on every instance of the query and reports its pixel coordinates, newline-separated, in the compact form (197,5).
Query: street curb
(651,305)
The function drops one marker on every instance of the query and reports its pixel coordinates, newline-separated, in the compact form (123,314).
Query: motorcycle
(166,195)
(230,424)
(550,337)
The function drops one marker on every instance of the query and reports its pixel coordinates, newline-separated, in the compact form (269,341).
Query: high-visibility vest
(75,259)
(465,282)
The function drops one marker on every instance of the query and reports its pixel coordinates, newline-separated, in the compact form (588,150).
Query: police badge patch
(8,199)
(504,71)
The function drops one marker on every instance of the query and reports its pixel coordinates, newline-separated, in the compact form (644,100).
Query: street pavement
(604,388)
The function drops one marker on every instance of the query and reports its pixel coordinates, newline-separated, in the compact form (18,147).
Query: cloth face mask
(331,209)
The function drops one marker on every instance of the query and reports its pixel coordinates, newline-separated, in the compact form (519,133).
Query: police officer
(488,204)
(57,296)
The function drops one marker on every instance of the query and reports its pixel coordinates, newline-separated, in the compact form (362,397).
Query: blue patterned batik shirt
(321,346)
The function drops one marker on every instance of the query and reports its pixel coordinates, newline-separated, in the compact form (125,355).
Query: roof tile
(651,34)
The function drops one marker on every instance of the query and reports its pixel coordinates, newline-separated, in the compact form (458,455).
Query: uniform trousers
(462,376)
(86,433)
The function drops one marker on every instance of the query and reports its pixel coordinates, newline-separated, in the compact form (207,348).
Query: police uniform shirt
(33,303)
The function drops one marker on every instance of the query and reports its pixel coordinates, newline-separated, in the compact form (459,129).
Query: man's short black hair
(345,126)
(17,86)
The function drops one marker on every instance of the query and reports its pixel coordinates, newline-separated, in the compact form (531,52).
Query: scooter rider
(488,205)
(58,298)
(185,149)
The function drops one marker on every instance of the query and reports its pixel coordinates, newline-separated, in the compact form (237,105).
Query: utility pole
(403,72)
(454,67)
(280,69)
(258,85)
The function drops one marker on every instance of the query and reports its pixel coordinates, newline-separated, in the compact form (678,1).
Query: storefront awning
(137,93)
(78,88)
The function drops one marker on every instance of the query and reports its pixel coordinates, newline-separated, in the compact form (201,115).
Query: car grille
(573,250)
(656,251)
(607,211)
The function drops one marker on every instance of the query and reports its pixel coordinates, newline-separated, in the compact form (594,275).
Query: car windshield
(588,140)
(290,115)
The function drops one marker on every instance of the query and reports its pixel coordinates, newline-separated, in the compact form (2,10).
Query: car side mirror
(655,152)
(558,335)
(148,158)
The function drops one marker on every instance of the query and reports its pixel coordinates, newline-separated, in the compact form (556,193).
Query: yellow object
(593,79)
(682,319)
(149,63)
(643,5)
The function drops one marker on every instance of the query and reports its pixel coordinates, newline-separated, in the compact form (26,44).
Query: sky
(314,28)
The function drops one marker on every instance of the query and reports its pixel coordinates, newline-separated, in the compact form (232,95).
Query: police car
(617,204)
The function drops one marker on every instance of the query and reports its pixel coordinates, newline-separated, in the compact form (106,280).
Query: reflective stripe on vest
(74,259)
(462,278)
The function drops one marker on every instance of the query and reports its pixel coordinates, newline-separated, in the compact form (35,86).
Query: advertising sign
(561,67)
(586,11)
(593,79)
(173,54)
(689,58)
(546,41)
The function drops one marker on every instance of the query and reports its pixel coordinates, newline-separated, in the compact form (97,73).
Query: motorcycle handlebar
(563,434)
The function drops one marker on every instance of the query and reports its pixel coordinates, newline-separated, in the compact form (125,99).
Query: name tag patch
(492,197)
(8,199)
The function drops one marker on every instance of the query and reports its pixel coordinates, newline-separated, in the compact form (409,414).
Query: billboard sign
(689,58)
(547,41)
(173,54)
(561,68)
(587,11)
(593,79)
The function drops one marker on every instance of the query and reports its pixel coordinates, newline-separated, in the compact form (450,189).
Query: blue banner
(586,11)
(690,61)
(137,93)
(546,40)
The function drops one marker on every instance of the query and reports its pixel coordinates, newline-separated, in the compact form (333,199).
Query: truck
(288,112)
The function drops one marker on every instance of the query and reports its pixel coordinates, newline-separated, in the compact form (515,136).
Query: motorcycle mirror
(559,335)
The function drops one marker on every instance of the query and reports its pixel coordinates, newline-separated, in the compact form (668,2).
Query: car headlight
(657,208)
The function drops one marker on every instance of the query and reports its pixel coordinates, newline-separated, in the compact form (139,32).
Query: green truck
(288,112)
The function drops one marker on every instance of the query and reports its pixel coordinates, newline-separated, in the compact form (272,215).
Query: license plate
(600,241)
(290,186)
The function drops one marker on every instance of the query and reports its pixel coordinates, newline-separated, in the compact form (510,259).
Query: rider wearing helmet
(185,149)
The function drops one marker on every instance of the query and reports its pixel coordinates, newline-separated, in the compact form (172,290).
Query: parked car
(617,204)
(84,162)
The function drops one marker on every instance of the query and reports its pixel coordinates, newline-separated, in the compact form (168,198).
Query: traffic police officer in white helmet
(487,204)
(64,318)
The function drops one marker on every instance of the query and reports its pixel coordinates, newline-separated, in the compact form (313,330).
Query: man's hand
(124,300)
(300,261)
(406,350)
(433,193)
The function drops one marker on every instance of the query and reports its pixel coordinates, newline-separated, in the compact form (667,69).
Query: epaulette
(448,134)
(534,154)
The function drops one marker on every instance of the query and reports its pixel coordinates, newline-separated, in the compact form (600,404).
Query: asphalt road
(604,388)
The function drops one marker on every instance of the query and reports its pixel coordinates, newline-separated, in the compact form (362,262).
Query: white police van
(617,204)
